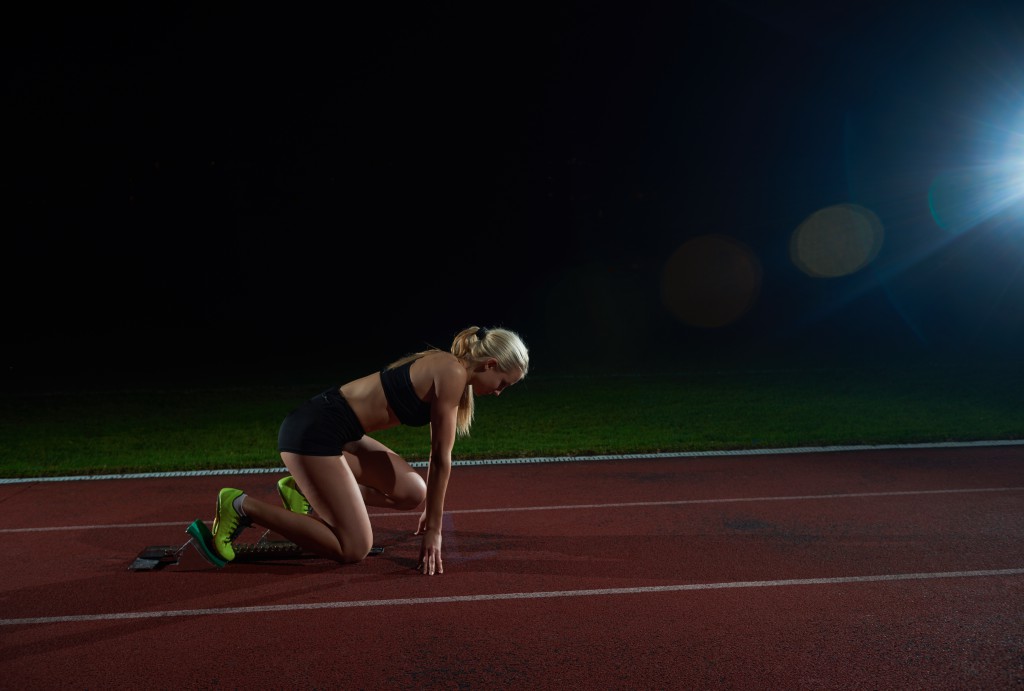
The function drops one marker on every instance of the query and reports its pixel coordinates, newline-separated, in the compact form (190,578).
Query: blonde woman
(337,471)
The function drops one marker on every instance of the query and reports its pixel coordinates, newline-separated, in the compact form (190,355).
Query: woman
(337,471)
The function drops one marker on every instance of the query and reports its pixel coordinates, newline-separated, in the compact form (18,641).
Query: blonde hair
(476,345)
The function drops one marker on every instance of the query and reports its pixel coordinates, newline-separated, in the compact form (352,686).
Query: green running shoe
(292,498)
(228,524)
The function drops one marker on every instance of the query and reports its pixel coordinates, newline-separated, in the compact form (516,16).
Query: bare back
(366,394)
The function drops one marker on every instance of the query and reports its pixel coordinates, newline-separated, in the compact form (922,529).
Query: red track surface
(752,572)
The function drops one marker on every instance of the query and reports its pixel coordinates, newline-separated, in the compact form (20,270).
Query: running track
(881,569)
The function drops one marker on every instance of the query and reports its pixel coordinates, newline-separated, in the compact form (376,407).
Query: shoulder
(442,365)
(448,375)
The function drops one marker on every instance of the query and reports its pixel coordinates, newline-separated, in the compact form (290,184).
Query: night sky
(253,185)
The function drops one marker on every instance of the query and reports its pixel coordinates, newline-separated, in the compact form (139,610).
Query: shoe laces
(241,523)
(236,522)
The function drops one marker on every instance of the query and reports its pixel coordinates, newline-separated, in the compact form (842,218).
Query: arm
(438,472)
(448,387)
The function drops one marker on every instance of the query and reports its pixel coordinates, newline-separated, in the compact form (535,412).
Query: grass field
(161,426)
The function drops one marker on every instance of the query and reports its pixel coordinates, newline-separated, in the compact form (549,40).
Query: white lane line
(570,507)
(547,459)
(109,526)
(681,502)
(492,597)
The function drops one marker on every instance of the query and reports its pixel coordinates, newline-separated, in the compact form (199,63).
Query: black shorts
(320,427)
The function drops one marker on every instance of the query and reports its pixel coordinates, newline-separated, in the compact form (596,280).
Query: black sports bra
(402,398)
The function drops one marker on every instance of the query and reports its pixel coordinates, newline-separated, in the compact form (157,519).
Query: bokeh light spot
(711,281)
(836,241)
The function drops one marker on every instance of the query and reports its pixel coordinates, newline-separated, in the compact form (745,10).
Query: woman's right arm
(449,385)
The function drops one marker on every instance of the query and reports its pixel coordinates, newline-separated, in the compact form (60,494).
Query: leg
(342,529)
(384,478)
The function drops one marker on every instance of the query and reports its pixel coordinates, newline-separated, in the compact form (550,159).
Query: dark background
(258,187)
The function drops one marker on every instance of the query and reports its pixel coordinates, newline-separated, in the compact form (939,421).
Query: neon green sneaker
(292,497)
(228,524)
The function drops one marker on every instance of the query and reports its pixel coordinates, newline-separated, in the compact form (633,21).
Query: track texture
(880,569)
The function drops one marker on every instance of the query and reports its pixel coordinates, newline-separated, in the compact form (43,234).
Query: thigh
(375,465)
(331,489)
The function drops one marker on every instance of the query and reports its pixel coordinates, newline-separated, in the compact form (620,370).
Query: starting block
(157,557)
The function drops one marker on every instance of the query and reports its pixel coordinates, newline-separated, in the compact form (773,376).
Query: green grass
(144,429)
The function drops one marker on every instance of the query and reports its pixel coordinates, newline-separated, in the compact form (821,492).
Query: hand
(430,551)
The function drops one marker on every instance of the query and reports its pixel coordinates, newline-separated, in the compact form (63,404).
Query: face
(488,379)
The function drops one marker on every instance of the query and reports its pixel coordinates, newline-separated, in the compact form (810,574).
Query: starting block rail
(157,557)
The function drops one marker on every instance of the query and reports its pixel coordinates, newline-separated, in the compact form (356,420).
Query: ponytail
(476,344)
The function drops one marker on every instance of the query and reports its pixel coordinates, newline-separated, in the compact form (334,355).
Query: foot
(202,540)
(292,498)
(228,523)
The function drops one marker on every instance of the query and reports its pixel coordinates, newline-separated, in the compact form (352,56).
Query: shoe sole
(202,539)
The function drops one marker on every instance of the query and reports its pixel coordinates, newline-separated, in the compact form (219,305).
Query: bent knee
(409,503)
(346,558)
(354,551)
(412,495)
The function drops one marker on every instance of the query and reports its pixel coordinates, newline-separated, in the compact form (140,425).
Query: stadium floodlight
(961,199)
